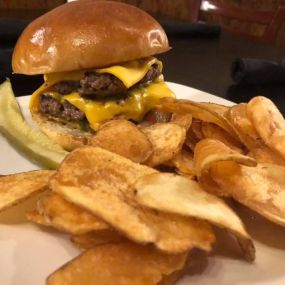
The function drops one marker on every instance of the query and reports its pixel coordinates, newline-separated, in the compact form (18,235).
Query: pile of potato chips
(139,198)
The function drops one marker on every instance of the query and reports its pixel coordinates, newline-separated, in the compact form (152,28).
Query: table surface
(202,63)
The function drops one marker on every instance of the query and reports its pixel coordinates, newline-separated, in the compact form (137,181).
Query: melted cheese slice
(139,102)
(129,73)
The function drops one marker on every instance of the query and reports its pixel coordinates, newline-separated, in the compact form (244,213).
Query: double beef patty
(92,85)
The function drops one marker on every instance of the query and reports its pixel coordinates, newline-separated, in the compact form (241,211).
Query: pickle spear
(31,142)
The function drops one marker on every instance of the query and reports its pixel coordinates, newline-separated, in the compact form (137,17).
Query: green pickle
(30,142)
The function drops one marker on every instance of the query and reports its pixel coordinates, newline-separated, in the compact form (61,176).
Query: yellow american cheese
(140,101)
(129,73)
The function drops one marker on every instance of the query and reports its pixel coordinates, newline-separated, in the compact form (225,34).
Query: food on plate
(250,138)
(212,131)
(183,120)
(175,194)
(183,162)
(139,223)
(202,111)
(102,182)
(208,151)
(124,138)
(98,64)
(15,188)
(120,264)
(65,216)
(98,237)
(260,188)
(31,142)
(167,140)
(268,122)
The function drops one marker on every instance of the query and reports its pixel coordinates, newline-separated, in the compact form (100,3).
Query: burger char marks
(102,85)
(51,106)
(66,86)
(95,84)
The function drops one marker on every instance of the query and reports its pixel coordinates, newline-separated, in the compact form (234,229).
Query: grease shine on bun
(87,34)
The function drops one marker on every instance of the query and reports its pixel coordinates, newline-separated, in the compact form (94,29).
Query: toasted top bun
(87,34)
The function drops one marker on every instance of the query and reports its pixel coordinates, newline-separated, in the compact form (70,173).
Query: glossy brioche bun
(87,34)
(61,134)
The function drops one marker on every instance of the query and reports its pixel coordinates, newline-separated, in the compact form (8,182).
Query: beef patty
(91,85)
(101,84)
(51,106)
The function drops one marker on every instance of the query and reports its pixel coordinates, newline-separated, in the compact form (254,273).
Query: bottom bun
(61,134)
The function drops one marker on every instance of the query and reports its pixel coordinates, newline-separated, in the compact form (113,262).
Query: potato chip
(178,195)
(119,264)
(250,138)
(167,140)
(67,217)
(184,163)
(15,188)
(268,122)
(193,135)
(222,110)
(124,138)
(261,188)
(212,131)
(208,151)
(210,185)
(35,217)
(202,111)
(102,182)
(196,128)
(95,238)
(183,120)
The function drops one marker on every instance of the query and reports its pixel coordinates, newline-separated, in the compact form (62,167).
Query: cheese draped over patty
(138,102)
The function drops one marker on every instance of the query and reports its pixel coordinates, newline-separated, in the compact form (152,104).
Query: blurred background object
(187,10)
(259,19)
(263,20)
(27,9)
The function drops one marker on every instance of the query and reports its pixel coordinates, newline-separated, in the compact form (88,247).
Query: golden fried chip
(183,120)
(196,129)
(68,217)
(193,135)
(102,182)
(222,110)
(35,217)
(119,264)
(209,185)
(184,163)
(95,238)
(212,131)
(261,188)
(203,111)
(167,140)
(208,151)
(124,138)
(250,138)
(15,188)
(178,195)
(268,122)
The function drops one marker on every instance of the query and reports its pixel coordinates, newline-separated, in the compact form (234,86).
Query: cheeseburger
(97,58)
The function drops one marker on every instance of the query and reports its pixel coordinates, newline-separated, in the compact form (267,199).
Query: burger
(97,59)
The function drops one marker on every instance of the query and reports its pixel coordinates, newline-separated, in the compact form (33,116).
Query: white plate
(29,254)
